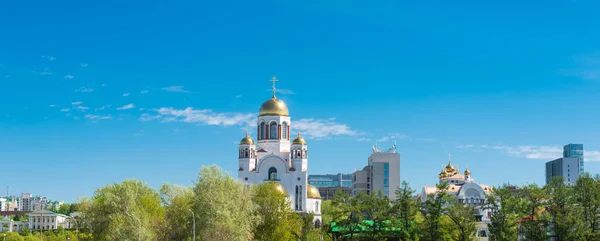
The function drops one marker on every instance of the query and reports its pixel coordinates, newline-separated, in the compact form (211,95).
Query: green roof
(366,226)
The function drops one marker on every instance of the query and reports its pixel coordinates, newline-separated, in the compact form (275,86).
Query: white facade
(47,220)
(276,158)
(464,189)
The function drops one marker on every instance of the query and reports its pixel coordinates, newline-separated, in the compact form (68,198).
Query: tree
(433,209)
(125,210)
(405,210)
(65,209)
(505,209)
(177,201)
(587,196)
(376,207)
(533,226)
(277,220)
(462,215)
(223,207)
(565,213)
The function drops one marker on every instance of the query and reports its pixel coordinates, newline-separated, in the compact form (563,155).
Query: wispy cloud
(285,91)
(51,58)
(98,117)
(587,67)
(205,116)
(464,146)
(102,107)
(51,106)
(126,94)
(76,103)
(45,73)
(69,76)
(364,139)
(238,96)
(126,107)
(591,156)
(83,65)
(393,136)
(540,152)
(65,110)
(175,88)
(81,108)
(322,128)
(84,89)
(143,92)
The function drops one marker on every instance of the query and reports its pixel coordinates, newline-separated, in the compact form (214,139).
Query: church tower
(247,154)
(274,125)
(299,154)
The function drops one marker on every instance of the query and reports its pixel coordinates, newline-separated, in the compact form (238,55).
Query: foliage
(433,209)
(463,217)
(177,201)
(405,209)
(223,207)
(533,226)
(565,214)
(587,196)
(125,211)
(277,220)
(505,209)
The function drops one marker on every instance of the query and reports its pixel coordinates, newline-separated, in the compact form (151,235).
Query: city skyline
(96,94)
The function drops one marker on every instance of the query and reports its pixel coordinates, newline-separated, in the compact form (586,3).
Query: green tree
(177,201)
(533,226)
(125,210)
(376,207)
(505,209)
(564,211)
(277,220)
(65,209)
(405,210)
(433,209)
(587,196)
(462,215)
(223,207)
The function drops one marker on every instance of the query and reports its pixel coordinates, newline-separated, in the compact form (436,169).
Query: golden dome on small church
(299,140)
(274,107)
(247,140)
(467,171)
(443,174)
(312,192)
(280,188)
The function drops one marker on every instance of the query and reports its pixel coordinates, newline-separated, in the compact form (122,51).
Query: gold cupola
(274,106)
(299,140)
(467,171)
(443,174)
(312,192)
(247,140)
(279,187)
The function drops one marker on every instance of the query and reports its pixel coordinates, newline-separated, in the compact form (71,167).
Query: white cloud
(321,129)
(285,91)
(207,117)
(143,92)
(126,94)
(51,106)
(102,107)
(45,73)
(84,89)
(51,58)
(83,65)
(175,88)
(363,139)
(82,108)
(98,117)
(464,146)
(69,76)
(593,156)
(393,136)
(65,110)
(126,107)
(76,103)
(142,108)
(541,152)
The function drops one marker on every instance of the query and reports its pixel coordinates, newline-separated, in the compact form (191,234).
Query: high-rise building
(575,150)
(381,174)
(567,167)
(328,184)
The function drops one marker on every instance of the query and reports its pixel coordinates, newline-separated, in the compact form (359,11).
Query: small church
(275,157)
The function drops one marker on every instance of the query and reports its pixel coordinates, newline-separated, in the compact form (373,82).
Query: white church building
(276,158)
(464,189)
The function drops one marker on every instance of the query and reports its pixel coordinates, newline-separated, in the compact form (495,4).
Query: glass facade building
(330,180)
(575,150)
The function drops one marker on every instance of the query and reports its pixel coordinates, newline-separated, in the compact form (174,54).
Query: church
(275,157)
(464,189)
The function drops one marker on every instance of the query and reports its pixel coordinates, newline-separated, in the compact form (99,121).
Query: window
(273,131)
(386,181)
(368,179)
(284,133)
(368,185)
(317,206)
(272,173)
(262,131)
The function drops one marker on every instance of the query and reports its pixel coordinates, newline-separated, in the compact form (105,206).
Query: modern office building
(381,174)
(575,150)
(328,184)
(567,167)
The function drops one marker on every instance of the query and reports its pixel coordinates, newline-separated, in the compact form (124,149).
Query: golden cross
(274,80)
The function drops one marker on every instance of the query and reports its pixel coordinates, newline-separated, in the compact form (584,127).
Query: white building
(464,189)
(275,158)
(381,174)
(47,220)
(566,167)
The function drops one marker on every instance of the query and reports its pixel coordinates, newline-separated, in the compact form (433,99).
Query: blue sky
(96,92)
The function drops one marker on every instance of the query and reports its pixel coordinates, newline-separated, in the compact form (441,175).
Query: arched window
(262,131)
(273,131)
(317,206)
(246,153)
(272,173)
(284,131)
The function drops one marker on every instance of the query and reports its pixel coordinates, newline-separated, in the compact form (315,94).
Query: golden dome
(443,174)
(299,140)
(273,107)
(312,192)
(280,188)
(450,168)
(467,172)
(247,140)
